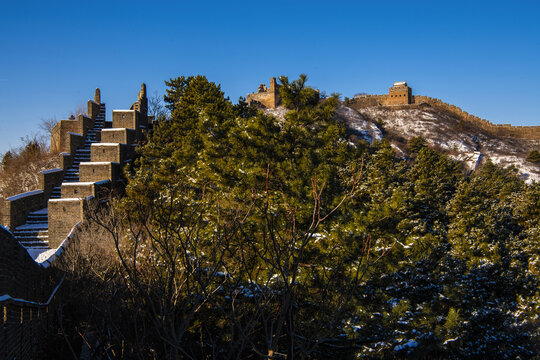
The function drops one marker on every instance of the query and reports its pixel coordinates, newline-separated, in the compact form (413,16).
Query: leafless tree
(47,125)
(156,107)
(170,255)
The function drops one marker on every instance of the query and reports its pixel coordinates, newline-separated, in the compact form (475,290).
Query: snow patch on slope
(358,125)
(447,134)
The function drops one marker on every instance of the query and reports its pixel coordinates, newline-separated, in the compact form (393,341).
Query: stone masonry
(401,95)
(97,178)
(267,97)
(39,221)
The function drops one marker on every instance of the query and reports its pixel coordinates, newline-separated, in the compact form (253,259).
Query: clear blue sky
(481,55)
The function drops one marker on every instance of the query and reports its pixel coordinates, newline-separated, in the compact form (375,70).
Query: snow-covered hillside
(446,133)
(357,125)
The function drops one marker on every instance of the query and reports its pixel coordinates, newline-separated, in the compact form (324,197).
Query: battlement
(401,94)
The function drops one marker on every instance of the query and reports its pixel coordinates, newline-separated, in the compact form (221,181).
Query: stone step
(30,243)
(37,218)
(38,235)
(34,217)
(25,228)
(36,221)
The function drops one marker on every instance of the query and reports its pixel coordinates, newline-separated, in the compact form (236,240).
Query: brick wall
(48,179)
(116,135)
(63,215)
(23,321)
(269,98)
(367,100)
(19,206)
(59,134)
(93,109)
(130,119)
(97,171)
(504,130)
(61,131)
(98,189)
(108,152)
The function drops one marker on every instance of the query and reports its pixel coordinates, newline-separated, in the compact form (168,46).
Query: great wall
(400,94)
(38,225)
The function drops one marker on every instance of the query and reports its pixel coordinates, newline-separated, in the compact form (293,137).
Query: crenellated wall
(60,133)
(368,100)
(404,98)
(503,130)
(26,290)
(19,206)
(64,214)
(24,284)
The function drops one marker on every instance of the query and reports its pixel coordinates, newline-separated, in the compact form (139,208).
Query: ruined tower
(141,104)
(267,97)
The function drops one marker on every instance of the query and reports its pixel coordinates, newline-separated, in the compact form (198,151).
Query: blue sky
(483,56)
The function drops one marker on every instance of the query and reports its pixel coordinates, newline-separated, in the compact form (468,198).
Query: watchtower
(399,94)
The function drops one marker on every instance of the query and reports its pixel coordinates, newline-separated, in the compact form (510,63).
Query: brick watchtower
(399,94)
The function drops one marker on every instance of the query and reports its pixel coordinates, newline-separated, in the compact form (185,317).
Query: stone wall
(367,100)
(19,206)
(59,134)
(141,105)
(66,160)
(98,189)
(63,215)
(61,131)
(25,289)
(122,135)
(99,179)
(18,269)
(108,152)
(267,97)
(48,179)
(97,171)
(129,119)
(73,142)
(503,130)
(401,96)
(93,109)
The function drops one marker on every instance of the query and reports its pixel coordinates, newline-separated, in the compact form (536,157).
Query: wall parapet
(503,130)
(18,207)
(49,179)
(26,292)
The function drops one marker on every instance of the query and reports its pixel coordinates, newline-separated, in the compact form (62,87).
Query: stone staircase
(33,235)
(83,154)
